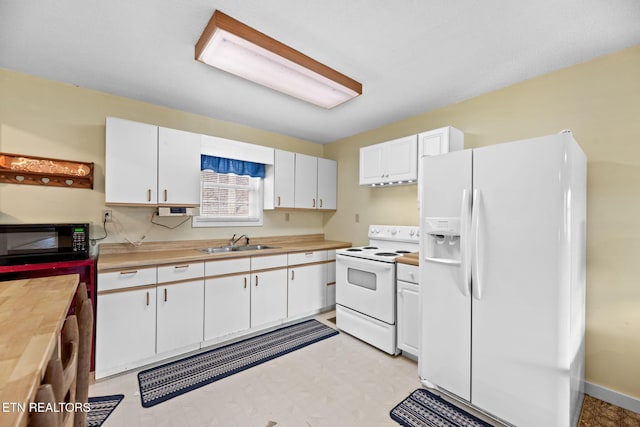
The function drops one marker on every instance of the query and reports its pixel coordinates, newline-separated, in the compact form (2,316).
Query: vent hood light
(234,47)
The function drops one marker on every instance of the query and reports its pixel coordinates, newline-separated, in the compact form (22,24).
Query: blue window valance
(238,167)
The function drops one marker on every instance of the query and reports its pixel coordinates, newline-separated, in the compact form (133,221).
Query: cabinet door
(125,329)
(268,297)
(178,167)
(306,287)
(409,318)
(371,166)
(227,302)
(401,159)
(327,183)
(306,187)
(131,162)
(284,179)
(180,314)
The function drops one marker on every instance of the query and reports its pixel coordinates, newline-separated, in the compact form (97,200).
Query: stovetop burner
(354,250)
(370,247)
(403,252)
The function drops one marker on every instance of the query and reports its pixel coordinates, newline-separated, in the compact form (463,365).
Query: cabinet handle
(320,202)
(165,194)
(149,195)
(256,280)
(165,294)
(181,266)
(314,203)
(122,273)
(292,274)
(382,176)
(278,200)
(147,298)
(245,283)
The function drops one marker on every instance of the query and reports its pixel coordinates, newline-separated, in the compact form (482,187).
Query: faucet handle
(246,238)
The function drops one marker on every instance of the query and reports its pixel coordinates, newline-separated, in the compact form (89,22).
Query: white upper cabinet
(304,182)
(148,165)
(178,167)
(131,162)
(327,183)
(284,179)
(391,162)
(306,186)
(440,141)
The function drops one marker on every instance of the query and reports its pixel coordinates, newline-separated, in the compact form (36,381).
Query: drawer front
(269,261)
(331,255)
(183,271)
(227,266)
(126,278)
(408,273)
(306,257)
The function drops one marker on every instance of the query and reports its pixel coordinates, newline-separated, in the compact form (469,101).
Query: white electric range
(366,284)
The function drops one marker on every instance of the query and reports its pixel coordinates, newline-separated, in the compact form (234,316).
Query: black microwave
(38,243)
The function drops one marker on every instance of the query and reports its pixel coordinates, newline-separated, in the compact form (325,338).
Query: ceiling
(411,56)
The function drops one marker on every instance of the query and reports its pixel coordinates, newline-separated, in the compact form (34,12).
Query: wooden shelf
(32,170)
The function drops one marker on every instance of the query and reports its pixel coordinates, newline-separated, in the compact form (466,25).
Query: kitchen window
(231,193)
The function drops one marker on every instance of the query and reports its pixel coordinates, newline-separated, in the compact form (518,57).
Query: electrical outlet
(107,216)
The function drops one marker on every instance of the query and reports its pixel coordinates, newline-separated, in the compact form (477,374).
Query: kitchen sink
(229,248)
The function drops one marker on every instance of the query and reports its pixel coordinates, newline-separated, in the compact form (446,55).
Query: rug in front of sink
(172,379)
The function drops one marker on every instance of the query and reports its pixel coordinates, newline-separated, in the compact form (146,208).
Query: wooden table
(32,312)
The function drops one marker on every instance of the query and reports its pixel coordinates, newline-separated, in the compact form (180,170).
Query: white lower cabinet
(330,294)
(227,297)
(180,306)
(307,283)
(408,310)
(268,289)
(180,315)
(125,329)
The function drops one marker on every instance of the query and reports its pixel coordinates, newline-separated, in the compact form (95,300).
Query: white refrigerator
(502,278)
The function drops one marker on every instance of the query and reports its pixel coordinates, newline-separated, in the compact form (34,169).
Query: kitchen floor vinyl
(340,382)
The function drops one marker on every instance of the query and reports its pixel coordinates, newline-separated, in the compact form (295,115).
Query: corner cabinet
(150,165)
(393,161)
(304,182)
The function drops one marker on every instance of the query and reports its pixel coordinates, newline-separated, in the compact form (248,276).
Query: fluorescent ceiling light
(234,47)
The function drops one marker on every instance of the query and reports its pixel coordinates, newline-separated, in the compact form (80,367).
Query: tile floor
(340,381)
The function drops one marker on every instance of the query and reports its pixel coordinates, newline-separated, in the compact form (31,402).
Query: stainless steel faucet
(233,240)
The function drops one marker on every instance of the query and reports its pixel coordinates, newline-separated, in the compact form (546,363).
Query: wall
(51,119)
(600,101)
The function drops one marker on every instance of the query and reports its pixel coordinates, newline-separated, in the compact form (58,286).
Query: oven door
(366,286)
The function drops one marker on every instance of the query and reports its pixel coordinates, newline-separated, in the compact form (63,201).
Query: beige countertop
(412,259)
(119,256)
(32,312)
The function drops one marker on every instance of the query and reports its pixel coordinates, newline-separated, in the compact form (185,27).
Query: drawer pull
(256,280)
(245,283)
(165,294)
(292,274)
(181,266)
(308,254)
(122,273)
(147,298)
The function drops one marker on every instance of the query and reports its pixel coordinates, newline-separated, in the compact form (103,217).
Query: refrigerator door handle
(476,284)
(465,259)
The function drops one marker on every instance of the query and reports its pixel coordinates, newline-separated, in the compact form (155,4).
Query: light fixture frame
(221,21)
